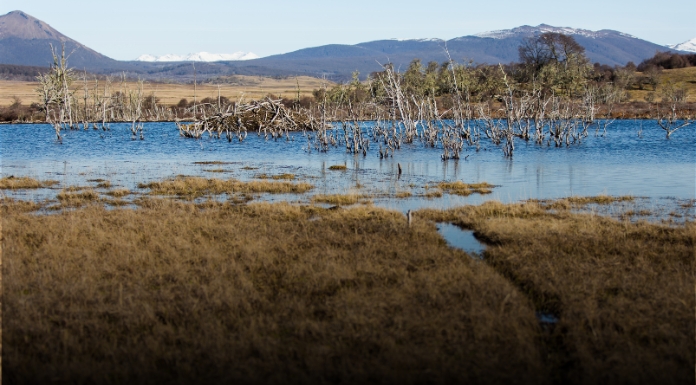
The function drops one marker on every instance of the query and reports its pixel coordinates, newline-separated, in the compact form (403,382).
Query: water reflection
(460,238)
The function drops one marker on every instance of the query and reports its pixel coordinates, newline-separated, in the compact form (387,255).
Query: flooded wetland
(269,261)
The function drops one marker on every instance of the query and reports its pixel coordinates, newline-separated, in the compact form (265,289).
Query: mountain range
(25,40)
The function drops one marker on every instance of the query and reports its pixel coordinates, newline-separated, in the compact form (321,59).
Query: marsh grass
(338,167)
(339,199)
(433,193)
(218,170)
(178,292)
(403,194)
(117,202)
(14,206)
(76,188)
(578,201)
(192,187)
(623,292)
(118,193)
(70,198)
(18,183)
(285,176)
(464,189)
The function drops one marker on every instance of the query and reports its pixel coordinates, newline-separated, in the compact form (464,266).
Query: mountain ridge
(25,40)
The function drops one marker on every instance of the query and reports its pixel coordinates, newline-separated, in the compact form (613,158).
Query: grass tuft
(276,177)
(75,199)
(461,188)
(118,193)
(18,183)
(578,202)
(338,199)
(192,187)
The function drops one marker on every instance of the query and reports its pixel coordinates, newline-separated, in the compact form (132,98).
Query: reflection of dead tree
(135,111)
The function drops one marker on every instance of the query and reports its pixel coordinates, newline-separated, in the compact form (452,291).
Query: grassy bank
(174,292)
(623,293)
(253,294)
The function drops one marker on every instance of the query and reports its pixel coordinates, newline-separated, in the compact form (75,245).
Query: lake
(620,163)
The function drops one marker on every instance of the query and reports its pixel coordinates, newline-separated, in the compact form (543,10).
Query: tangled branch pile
(268,116)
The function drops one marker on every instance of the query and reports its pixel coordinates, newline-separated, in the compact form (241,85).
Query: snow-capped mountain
(419,40)
(688,46)
(200,56)
(543,28)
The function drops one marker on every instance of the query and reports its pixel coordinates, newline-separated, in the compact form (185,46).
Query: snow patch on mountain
(418,40)
(544,28)
(200,56)
(688,46)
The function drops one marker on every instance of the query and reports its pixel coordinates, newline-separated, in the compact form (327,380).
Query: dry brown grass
(338,167)
(338,199)
(76,199)
(260,293)
(14,206)
(25,91)
(461,188)
(433,193)
(254,87)
(118,193)
(403,194)
(623,292)
(276,177)
(19,183)
(681,77)
(192,187)
(578,201)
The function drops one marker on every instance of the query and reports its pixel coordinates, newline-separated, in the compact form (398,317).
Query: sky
(126,29)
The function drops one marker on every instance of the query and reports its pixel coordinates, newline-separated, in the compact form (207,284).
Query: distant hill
(605,47)
(25,40)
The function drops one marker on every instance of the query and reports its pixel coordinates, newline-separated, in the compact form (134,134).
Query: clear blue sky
(126,29)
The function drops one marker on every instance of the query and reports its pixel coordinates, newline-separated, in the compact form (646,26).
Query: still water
(623,162)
